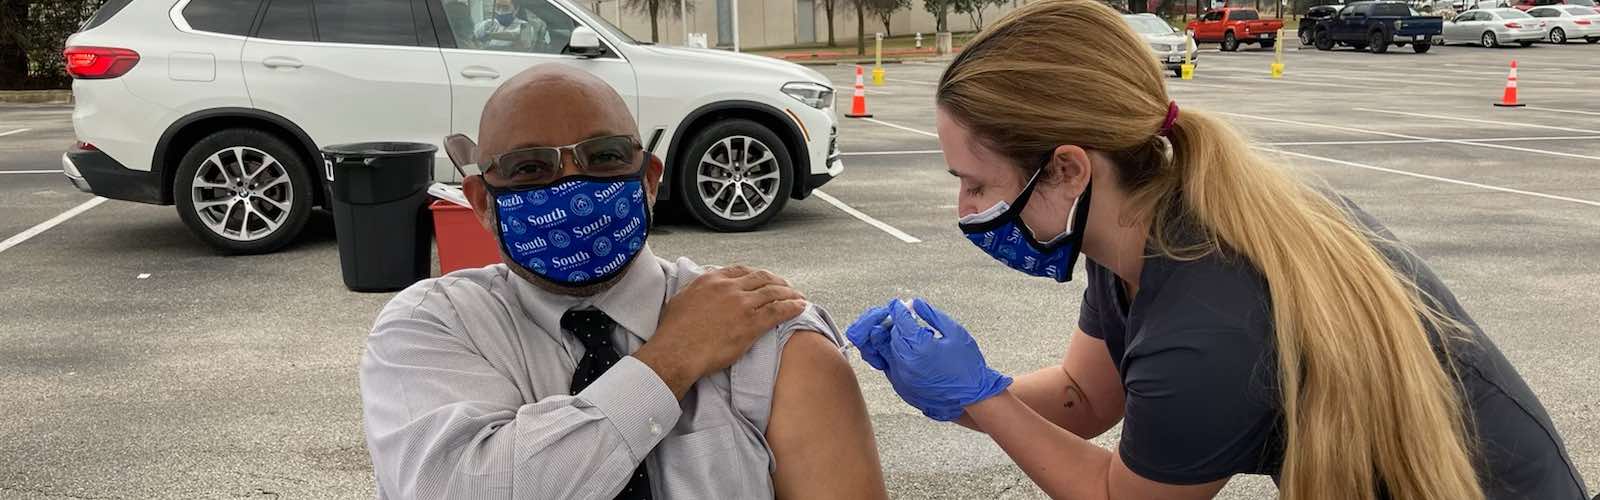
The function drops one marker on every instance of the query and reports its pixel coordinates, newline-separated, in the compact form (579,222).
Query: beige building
(774,23)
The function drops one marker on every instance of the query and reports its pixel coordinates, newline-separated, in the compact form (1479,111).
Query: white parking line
(46,225)
(1190,83)
(1434,177)
(871,90)
(1266,79)
(1405,136)
(1575,112)
(902,127)
(2,172)
(892,153)
(1427,141)
(1475,120)
(866,218)
(918,82)
(17,131)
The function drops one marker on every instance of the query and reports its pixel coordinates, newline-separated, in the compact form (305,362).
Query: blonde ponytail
(1367,403)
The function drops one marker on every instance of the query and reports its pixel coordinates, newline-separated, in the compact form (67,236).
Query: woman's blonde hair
(1367,404)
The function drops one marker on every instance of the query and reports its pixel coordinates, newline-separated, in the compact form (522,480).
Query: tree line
(32,35)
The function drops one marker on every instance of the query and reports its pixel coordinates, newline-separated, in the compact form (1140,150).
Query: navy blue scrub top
(1195,353)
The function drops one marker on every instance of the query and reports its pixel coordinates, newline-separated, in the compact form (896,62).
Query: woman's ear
(1069,165)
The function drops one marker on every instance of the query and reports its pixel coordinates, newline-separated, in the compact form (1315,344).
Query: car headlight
(1161,47)
(815,95)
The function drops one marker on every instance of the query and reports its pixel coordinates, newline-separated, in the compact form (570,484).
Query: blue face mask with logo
(1000,232)
(576,232)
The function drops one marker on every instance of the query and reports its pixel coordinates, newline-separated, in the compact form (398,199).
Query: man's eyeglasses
(611,156)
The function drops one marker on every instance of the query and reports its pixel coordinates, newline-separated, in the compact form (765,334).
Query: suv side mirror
(585,43)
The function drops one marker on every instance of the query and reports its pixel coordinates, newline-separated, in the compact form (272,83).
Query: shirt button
(655,428)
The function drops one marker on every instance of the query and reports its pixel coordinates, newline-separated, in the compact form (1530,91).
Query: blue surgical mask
(505,19)
(576,232)
(1000,232)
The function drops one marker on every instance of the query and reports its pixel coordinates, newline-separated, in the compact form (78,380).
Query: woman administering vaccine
(1237,319)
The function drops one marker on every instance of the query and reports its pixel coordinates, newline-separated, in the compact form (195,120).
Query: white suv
(219,106)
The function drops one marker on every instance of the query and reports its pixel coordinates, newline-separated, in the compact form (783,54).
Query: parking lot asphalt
(139,364)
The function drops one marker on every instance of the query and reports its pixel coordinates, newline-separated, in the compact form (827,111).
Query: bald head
(550,105)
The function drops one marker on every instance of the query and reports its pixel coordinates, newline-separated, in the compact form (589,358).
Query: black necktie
(593,329)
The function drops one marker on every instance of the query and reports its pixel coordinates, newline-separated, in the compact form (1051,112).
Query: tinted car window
(379,22)
(287,20)
(1391,9)
(232,17)
(1581,11)
(1515,14)
(104,13)
(1244,15)
(1589,3)
(1543,13)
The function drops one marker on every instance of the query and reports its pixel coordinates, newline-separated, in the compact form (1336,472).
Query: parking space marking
(1475,120)
(17,131)
(918,82)
(46,225)
(2,172)
(892,153)
(902,127)
(901,235)
(1190,83)
(1266,79)
(1434,177)
(1405,136)
(1427,141)
(1553,110)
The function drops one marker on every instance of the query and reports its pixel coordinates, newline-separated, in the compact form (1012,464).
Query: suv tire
(1324,40)
(1229,43)
(1305,38)
(720,184)
(1377,43)
(1421,48)
(1267,44)
(243,191)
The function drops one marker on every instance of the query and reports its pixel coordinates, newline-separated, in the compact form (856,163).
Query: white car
(1166,42)
(220,106)
(1493,27)
(1569,22)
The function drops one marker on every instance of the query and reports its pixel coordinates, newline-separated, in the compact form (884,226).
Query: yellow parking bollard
(1186,71)
(1277,61)
(877,67)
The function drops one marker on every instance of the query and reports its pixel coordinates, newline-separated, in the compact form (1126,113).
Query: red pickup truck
(1235,26)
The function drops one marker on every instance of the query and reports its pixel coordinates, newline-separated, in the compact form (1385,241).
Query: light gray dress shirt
(466,388)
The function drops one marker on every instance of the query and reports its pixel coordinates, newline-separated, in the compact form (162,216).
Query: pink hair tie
(1172,117)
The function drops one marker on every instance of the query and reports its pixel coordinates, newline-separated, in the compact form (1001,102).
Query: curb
(62,96)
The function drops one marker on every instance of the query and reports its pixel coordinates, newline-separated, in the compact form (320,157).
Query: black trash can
(380,195)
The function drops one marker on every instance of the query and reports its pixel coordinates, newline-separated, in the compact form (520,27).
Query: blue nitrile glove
(946,368)
(871,334)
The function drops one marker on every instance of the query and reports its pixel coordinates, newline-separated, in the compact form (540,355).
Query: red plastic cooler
(463,244)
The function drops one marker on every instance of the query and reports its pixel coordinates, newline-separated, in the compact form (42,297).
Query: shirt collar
(634,302)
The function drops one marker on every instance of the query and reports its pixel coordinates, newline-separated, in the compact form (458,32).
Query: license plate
(1174,58)
(1266,35)
(1419,38)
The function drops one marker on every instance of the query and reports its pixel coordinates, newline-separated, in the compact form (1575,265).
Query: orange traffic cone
(858,104)
(1509,100)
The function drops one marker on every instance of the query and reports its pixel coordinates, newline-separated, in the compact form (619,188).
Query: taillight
(99,62)
(86,146)
(1584,22)
(1513,25)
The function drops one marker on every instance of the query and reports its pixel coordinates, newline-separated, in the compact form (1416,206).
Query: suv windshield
(1243,15)
(1149,25)
(605,25)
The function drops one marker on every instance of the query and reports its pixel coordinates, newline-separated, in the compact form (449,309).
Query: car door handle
(281,62)
(479,72)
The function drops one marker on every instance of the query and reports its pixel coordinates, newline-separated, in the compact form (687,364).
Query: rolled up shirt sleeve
(444,422)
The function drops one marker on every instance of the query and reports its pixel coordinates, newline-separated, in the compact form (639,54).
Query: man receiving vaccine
(584,366)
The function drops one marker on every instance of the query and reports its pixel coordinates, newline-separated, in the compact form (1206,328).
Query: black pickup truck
(1377,25)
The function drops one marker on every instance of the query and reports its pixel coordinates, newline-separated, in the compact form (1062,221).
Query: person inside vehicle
(584,366)
(507,30)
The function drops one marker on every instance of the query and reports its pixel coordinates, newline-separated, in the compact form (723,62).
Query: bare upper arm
(1089,365)
(1122,483)
(819,431)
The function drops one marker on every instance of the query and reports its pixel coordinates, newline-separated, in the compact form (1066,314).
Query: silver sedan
(1569,22)
(1494,27)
